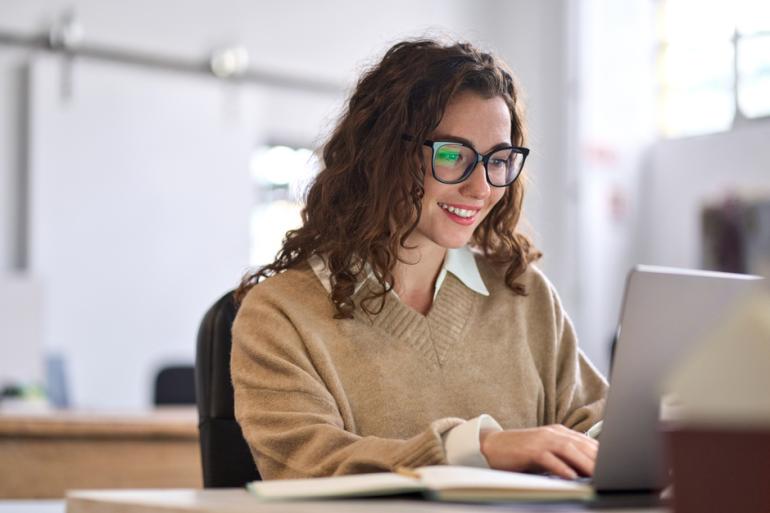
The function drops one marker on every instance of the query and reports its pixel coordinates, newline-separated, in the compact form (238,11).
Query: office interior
(152,151)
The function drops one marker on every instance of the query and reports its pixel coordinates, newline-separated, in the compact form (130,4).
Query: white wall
(331,40)
(614,97)
(138,218)
(20,327)
(683,175)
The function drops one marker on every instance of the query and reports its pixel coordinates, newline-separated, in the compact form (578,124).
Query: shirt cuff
(462,443)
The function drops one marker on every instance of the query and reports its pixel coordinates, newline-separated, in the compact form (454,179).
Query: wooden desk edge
(160,423)
(238,500)
(133,500)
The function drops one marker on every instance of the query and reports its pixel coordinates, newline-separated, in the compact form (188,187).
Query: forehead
(483,121)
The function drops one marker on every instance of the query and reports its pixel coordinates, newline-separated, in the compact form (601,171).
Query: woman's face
(484,124)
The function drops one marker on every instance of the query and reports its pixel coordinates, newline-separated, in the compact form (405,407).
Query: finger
(573,455)
(550,463)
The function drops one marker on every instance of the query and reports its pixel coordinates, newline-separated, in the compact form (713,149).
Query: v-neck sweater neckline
(432,335)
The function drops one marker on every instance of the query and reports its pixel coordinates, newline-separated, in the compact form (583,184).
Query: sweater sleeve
(289,417)
(581,389)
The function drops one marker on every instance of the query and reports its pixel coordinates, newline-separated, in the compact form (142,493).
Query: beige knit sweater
(317,396)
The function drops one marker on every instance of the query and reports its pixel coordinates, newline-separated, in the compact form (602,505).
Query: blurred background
(152,151)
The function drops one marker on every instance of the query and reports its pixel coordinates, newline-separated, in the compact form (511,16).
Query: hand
(554,449)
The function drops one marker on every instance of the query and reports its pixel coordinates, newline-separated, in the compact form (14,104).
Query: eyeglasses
(454,162)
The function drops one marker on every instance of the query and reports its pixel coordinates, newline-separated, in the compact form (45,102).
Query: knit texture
(318,396)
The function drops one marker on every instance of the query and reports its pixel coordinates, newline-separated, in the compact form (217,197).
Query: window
(280,176)
(713,64)
(753,47)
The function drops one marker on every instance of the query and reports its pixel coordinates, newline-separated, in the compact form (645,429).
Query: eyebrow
(439,137)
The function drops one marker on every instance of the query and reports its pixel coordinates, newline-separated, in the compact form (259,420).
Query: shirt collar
(460,262)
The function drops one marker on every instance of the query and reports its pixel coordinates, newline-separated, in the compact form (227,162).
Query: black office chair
(225,456)
(175,385)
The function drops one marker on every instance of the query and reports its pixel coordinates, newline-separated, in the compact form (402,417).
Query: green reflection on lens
(447,156)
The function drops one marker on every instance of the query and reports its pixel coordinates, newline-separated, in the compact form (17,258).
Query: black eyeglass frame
(484,158)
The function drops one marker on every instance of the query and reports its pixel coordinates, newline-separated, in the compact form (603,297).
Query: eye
(498,163)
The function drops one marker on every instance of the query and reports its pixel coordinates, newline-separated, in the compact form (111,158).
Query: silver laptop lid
(665,313)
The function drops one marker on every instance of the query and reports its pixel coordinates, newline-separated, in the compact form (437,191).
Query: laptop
(666,312)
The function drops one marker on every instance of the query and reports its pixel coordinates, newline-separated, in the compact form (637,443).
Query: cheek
(429,198)
(494,198)
(434,190)
(496,195)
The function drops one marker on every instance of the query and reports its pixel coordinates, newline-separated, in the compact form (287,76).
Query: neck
(416,272)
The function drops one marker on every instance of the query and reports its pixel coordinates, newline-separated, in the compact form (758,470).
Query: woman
(403,324)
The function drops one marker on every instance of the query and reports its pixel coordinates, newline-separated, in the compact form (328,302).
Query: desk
(43,455)
(240,501)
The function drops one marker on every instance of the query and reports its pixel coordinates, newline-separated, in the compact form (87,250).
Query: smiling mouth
(459,212)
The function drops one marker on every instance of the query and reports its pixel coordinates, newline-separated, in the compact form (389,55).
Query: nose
(476,186)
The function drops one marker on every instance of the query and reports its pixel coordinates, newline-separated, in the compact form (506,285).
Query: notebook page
(441,477)
(382,483)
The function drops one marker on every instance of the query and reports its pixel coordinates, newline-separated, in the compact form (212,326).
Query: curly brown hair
(366,201)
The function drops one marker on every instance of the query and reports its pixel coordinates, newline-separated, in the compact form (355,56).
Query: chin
(453,242)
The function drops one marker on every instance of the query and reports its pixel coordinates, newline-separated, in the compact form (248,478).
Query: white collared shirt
(461,443)
(462,264)
(459,262)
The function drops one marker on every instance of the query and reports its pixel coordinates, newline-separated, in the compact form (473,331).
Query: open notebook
(439,482)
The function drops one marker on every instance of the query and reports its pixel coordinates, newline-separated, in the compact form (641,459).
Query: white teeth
(461,212)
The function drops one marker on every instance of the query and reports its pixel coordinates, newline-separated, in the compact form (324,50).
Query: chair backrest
(226,459)
(175,384)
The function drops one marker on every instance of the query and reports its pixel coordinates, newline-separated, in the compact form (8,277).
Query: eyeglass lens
(453,162)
